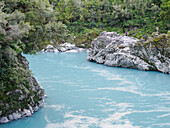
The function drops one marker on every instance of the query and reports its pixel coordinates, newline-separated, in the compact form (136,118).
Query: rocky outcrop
(21,100)
(66,47)
(116,50)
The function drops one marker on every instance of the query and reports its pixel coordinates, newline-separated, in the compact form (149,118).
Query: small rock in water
(49,47)
(4,120)
(11,117)
(80,49)
(26,113)
(16,115)
(56,50)
(36,108)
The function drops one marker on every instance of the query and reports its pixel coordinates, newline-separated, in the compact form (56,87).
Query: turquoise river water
(82,94)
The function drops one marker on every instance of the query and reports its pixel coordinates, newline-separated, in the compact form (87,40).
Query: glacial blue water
(82,94)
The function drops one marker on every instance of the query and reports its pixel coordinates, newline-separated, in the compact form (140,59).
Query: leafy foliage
(137,16)
(161,42)
(38,15)
(25,26)
(57,32)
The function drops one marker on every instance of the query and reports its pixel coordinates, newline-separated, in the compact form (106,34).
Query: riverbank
(66,47)
(20,99)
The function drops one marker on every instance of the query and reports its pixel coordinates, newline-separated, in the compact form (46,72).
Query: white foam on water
(116,118)
(131,89)
(135,90)
(107,75)
(79,67)
(162,125)
(79,121)
(56,107)
(164,115)
(115,121)
(76,121)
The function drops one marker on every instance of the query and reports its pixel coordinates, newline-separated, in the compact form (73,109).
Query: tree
(57,32)
(12,30)
(165,14)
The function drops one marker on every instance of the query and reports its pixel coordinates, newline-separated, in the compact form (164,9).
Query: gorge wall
(20,93)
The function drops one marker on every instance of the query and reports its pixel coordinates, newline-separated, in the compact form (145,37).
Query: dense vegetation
(87,18)
(29,25)
(25,26)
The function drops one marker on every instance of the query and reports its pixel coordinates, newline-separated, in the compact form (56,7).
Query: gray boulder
(116,50)
(16,115)
(50,48)
(4,120)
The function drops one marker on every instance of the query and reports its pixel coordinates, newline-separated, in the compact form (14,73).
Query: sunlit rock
(122,51)
(4,120)
(66,47)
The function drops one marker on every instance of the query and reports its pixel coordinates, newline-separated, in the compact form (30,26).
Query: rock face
(116,50)
(25,99)
(66,47)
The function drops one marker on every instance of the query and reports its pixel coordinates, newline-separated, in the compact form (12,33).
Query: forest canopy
(114,15)
(85,19)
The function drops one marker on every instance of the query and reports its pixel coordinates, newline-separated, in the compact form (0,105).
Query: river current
(82,94)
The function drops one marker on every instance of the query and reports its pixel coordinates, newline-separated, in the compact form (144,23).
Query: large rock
(4,120)
(116,50)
